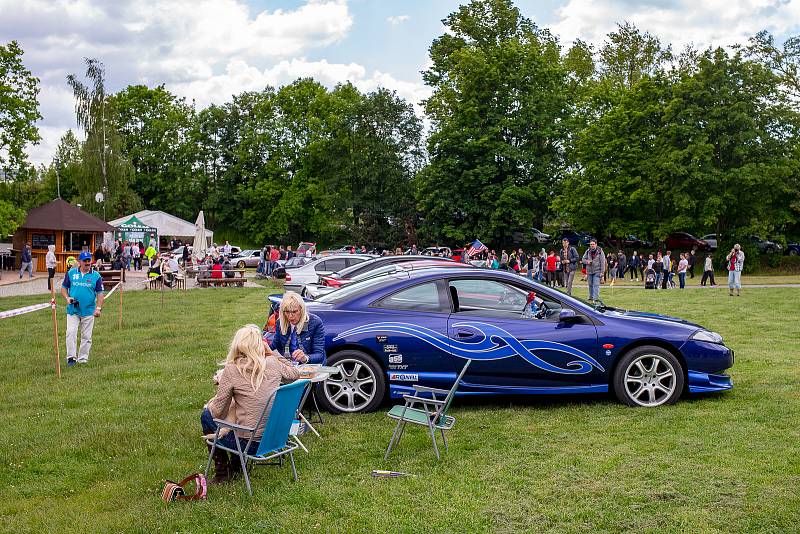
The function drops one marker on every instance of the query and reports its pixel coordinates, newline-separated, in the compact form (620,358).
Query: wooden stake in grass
(55,327)
(120,305)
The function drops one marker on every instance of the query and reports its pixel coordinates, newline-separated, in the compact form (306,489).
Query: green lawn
(89,453)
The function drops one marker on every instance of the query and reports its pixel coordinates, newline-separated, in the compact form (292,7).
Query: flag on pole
(476,248)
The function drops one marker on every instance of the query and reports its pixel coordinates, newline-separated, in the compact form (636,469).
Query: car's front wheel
(359,387)
(648,376)
(240,265)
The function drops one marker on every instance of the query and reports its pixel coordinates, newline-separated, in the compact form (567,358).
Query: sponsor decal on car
(396,358)
(390,348)
(404,377)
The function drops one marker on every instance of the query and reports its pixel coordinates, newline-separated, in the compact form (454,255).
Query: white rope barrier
(113,289)
(27,309)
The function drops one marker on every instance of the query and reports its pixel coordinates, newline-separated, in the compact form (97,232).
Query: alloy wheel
(650,380)
(353,388)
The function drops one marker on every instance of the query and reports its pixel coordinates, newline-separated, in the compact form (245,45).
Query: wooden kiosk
(59,223)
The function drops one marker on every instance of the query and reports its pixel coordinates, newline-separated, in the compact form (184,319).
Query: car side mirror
(567,316)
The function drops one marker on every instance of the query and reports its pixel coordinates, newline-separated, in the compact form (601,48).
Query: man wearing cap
(83,289)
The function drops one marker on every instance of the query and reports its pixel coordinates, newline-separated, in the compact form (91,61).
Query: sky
(209,50)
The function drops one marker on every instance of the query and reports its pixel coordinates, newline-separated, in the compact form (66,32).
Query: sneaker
(71,362)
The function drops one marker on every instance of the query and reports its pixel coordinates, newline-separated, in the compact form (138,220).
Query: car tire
(359,387)
(240,265)
(792,252)
(648,376)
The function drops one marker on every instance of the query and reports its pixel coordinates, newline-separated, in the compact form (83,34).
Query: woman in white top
(683,265)
(50,262)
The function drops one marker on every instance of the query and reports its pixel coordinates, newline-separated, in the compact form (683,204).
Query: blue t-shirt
(84,289)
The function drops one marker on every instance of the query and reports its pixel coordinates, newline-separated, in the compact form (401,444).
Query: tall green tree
(105,168)
(19,109)
(629,54)
(728,153)
(497,111)
(60,179)
(154,125)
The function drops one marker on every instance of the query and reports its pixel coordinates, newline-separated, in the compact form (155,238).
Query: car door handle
(463,335)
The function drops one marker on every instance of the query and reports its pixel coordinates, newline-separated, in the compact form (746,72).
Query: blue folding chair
(275,439)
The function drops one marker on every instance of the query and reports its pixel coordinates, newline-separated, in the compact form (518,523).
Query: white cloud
(203,49)
(396,20)
(678,22)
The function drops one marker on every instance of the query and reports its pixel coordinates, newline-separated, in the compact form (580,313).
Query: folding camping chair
(432,414)
(275,439)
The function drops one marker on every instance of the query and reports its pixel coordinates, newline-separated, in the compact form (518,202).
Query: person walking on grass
(83,289)
(691,259)
(666,261)
(50,262)
(595,261)
(683,265)
(708,271)
(622,264)
(569,263)
(634,266)
(735,259)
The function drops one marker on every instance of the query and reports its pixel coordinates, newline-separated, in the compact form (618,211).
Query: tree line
(630,137)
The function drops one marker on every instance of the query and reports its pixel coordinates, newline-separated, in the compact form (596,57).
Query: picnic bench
(112,277)
(237,281)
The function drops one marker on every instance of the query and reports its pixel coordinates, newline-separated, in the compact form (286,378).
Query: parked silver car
(310,272)
(246,258)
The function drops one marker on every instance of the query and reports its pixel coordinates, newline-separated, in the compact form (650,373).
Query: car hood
(652,317)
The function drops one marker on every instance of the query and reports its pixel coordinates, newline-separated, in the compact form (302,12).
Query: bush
(751,255)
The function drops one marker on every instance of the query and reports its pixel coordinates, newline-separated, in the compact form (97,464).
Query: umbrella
(199,250)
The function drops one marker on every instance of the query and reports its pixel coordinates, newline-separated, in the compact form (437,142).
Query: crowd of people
(655,270)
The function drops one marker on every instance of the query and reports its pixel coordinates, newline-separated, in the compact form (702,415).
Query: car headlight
(706,335)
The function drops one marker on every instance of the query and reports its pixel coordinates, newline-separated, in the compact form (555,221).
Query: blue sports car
(420,327)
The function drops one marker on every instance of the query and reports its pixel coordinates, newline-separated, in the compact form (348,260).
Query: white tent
(168,225)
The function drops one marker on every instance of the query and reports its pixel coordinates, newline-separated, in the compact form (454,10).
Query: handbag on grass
(176,491)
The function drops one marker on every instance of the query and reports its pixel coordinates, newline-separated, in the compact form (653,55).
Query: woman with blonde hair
(299,335)
(248,379)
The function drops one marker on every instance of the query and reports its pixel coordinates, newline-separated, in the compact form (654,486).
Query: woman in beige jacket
(249,378)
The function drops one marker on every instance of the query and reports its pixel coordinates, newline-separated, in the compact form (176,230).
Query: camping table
(313,373)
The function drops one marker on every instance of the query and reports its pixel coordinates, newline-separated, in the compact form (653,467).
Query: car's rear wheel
(359,387)
(240,265)
(648,376)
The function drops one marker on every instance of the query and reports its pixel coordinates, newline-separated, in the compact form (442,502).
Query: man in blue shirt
(83,289)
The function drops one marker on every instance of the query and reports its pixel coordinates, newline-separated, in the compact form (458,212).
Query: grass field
(89,453)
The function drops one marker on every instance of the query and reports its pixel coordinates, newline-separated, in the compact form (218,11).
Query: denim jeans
(209,427)
(682,279)
(735,279)
(594,285)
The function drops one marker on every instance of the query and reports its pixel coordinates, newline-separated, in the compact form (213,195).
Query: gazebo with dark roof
(64,225)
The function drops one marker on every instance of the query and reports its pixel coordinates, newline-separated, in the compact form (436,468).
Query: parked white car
(310,272)
(540,236)
(711,239)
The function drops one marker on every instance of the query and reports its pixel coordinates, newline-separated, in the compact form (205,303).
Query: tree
(629,54)
(10,218)
(104,165)
(497,110)
(60,179)
(19,109)
(728,151)
(616,186)
(155,125)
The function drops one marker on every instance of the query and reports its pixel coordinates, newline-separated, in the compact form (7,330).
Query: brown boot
(221,467)
(235,466)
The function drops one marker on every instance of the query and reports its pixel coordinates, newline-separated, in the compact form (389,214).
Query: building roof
(61,215)
(167,225)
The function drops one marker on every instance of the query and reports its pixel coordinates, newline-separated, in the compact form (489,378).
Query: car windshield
(356,288)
